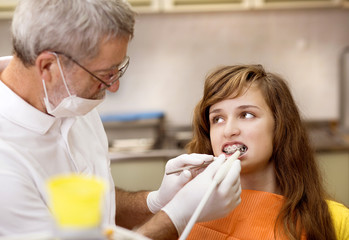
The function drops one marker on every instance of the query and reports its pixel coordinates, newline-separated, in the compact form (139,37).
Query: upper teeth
(233,148)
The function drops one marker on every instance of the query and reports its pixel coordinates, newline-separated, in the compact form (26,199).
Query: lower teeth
(233,149)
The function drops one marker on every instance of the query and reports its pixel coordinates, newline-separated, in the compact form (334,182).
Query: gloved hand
(224,198)
(172,183)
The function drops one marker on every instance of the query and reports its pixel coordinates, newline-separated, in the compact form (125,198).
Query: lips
(230,149)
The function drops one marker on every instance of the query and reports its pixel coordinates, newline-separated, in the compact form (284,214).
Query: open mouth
(231,149)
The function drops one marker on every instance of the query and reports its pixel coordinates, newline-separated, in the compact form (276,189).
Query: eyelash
(215,119)
(246,113)
(242,115)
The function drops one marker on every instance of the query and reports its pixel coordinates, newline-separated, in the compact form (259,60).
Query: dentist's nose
(115,87)
(231,128)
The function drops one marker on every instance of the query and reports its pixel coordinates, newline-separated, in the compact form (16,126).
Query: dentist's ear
(44,66)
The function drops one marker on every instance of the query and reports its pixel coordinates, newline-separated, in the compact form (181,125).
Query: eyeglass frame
(121,69)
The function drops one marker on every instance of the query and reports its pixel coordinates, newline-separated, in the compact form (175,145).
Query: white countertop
(155,153)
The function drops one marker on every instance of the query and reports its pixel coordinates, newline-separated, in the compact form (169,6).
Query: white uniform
(34,147)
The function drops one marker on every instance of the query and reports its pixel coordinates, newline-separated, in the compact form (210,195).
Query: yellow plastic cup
(76,200)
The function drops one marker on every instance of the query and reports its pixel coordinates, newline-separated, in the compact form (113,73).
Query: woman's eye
(247,115)
(217,120)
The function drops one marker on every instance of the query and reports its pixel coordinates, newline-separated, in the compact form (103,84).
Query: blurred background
(178,42)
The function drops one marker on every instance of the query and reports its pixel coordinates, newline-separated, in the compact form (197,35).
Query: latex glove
(224,198)
(172,183)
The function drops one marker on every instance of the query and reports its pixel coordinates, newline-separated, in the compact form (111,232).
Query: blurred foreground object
(76,204)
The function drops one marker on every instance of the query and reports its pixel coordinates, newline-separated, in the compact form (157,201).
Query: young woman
(283,196)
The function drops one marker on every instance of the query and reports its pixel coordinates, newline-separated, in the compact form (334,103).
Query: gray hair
(74,27)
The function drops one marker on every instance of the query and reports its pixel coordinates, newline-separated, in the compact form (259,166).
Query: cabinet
(6,8)
(145,5)
(334,167)
(272,4)
(138,174)
(205,5)
(168,6)
(224,5)
(346,3)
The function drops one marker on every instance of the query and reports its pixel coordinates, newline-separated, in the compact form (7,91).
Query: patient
(283,196)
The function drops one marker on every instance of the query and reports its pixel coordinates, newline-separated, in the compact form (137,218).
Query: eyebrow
(107,69)
(242,107)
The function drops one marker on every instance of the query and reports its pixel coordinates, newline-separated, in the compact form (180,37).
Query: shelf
(172,6)
(282,4)
(6,8)
(205,5)
(145,6)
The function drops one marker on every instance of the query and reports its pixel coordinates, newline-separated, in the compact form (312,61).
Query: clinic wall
(172,53)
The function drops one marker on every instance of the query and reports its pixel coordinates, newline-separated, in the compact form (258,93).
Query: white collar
(16,110)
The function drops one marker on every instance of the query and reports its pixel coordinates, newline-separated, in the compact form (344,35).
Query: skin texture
(132,212)
(247,120)
(78,80)
(296,175)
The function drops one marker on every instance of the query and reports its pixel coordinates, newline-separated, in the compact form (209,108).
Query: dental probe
(190,167)
(242,149)
(221,173)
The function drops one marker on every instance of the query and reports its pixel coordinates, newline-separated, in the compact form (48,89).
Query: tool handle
(221,173)
(223,170)
(189,167)
(197,211)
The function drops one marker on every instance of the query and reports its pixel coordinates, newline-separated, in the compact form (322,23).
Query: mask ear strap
(61,71)
(47,102)
(43,83)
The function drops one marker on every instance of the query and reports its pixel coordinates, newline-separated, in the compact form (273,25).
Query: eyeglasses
(115,72)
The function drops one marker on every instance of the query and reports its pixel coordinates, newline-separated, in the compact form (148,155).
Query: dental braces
(242,150)
(234,148)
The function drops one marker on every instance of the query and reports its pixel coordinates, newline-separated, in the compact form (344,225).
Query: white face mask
(72,105)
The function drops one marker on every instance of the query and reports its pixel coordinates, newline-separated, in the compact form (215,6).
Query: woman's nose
(231,129)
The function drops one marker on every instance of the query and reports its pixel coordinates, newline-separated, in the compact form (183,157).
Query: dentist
(67,54)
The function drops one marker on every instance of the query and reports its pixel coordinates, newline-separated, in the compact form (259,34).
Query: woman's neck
(264,180)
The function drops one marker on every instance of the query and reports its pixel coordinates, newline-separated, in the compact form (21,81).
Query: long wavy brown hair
(305,211)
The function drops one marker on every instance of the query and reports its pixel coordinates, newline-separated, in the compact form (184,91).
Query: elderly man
(67,54)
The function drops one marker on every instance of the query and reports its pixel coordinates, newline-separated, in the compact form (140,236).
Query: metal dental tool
(190,167)
(242,150)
